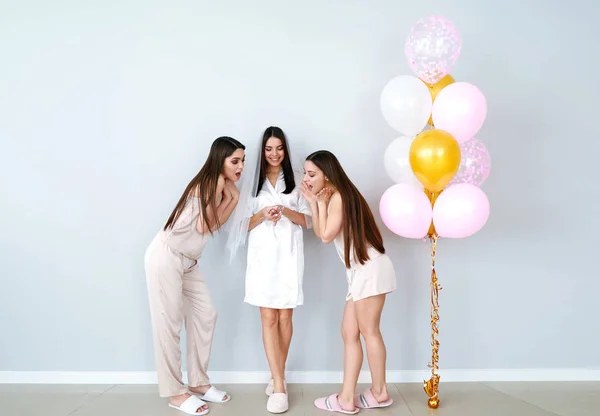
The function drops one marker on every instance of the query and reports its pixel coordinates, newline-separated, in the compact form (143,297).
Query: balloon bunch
(437,163)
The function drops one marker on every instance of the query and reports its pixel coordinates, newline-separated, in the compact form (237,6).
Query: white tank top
(339,246)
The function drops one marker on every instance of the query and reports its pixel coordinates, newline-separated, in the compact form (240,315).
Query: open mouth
(238,175)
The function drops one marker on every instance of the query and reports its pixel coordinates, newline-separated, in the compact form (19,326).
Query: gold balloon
(435,89)
(434,158)
(433,402)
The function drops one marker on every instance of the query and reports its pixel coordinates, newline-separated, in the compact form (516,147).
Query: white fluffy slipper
(278,403)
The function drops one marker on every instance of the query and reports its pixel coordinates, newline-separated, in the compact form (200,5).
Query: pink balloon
(406,210)
(460,211)
(475,163)
(432,48)
(460,109)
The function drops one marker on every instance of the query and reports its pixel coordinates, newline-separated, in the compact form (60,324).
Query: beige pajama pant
(178,293)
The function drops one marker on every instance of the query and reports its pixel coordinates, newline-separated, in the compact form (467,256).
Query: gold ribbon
(431,386)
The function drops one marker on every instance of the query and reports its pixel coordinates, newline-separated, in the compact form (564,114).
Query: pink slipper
(366,400)
(332,404)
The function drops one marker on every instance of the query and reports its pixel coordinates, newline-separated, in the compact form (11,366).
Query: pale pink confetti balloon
(432,48)
(475,163)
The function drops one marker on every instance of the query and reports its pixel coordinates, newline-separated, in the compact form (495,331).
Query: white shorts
(375,277)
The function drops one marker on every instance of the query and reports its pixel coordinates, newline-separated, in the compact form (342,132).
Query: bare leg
(270,326)
(368,313)
(285,336)
(353,356)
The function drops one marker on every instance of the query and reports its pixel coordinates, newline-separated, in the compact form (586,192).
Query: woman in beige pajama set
(176,288)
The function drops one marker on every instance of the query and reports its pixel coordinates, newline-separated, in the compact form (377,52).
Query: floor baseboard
(303,377)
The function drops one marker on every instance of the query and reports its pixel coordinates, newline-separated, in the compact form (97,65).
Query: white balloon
(406,104)
(396,161)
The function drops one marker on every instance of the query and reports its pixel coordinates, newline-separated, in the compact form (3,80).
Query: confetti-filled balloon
(475,163)
(432,48)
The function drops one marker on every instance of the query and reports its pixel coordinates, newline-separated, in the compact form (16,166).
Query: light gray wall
(107,111)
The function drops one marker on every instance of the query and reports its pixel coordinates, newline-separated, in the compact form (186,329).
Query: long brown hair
(358,224)
(206,181)
(286,164)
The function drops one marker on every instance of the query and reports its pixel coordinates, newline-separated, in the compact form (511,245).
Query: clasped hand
(273,213)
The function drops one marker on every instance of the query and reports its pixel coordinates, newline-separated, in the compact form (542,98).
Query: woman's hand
(272,213)
(231,190)
(277,213)
(307,194)
(324,195)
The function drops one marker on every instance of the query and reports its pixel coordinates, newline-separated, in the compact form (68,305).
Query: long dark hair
(358,224)
(286,164)
(205,182)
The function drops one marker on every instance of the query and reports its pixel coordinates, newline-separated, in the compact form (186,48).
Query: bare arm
(225,207)
(233,194)
(267,213)
(255,220)
(227,210)
(294,216)
(330,223)
(314,208)
(229,200)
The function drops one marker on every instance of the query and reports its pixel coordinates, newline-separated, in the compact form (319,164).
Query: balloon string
(431,386)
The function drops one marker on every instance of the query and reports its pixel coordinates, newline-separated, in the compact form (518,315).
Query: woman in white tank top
(340,214)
